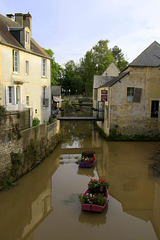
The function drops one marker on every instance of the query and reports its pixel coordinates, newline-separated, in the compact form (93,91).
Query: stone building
(25,79)
(99,80)
(131,100)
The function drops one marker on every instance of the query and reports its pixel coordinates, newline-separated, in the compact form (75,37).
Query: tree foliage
(119,58)
(78,78)
(56,69)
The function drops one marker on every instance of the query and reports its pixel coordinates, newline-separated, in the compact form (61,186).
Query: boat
(87,159)
(94,207)
(87,164)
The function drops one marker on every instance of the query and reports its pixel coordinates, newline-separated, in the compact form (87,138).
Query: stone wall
(134,117)
(18,156)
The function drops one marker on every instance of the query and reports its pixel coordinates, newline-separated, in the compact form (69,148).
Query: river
(44,204)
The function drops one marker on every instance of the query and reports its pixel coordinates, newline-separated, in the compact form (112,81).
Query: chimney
(27,21)
(19,18)
(10,16)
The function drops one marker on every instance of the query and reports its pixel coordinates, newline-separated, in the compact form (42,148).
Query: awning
(56,99)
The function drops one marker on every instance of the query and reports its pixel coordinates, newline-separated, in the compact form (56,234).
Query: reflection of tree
(93,218)
(77,131)
(86,171)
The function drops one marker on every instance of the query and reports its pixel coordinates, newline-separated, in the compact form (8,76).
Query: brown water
(44,203)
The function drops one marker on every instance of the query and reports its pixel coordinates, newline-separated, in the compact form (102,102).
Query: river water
(44,204)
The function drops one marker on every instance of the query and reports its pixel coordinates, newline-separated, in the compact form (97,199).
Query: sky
(70,28)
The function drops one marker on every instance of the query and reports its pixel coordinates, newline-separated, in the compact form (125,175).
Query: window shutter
(6,95)
(137,95)
(14,95)
(13,60)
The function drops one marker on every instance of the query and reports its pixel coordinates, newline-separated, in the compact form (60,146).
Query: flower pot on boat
(96,197)
(94,202)
(87,159)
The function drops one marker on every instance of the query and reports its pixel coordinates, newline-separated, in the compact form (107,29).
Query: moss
(116,136)
(2,114)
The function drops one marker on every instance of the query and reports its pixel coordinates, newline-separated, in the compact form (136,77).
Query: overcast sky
(72,27)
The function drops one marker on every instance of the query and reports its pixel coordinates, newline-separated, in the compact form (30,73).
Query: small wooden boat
(87,164)
(94,207)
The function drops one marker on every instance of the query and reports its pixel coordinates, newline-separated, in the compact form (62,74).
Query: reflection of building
(23,208)
(126,167)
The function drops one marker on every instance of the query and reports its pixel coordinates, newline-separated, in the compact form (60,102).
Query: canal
(44,204)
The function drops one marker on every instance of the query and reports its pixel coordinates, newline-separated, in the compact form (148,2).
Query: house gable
(112,70)
(150,57)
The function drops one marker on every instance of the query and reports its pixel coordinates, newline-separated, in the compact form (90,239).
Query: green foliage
(2,113)
(8,184)
(99,185)
(35,122)
(56,69)
(78,78)
(93,198)
(119,58)
(72,82)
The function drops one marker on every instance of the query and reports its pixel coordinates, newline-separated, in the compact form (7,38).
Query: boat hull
(87,165)
(93,207)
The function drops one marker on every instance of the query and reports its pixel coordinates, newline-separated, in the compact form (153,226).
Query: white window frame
(27,37)
(44,67)
(11,95)
(15,61)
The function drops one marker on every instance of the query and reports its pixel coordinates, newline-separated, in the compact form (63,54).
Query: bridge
(79,119)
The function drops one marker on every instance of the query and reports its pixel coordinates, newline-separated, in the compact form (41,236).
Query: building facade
(25,79)
(131,102)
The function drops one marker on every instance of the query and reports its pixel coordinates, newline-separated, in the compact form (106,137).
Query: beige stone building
(131,100)
(25,79)
(99,80)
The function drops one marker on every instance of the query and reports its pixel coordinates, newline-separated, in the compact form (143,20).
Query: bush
(2,113)
(35,122)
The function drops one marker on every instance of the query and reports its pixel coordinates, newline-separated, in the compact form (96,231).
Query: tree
(102,56)
(89,71)
(71,79)
(119,58)
(56,69)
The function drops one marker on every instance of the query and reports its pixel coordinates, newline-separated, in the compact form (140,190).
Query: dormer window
(27,37)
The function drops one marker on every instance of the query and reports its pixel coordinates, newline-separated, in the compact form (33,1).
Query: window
(45,101)
(15,61)
(134,94)
(44,67)
(130,94)
(27,37)
(27,100)
(27,67)
(154,109)
(10,95)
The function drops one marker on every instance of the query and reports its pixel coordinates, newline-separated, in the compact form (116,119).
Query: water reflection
(45,205)
(28,203)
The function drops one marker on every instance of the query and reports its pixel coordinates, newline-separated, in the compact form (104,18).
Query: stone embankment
(20,155)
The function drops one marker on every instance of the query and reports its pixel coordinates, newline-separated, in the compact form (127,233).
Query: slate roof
(150,57)
(7,38)
(56,90)
(115,80)
(100,80)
